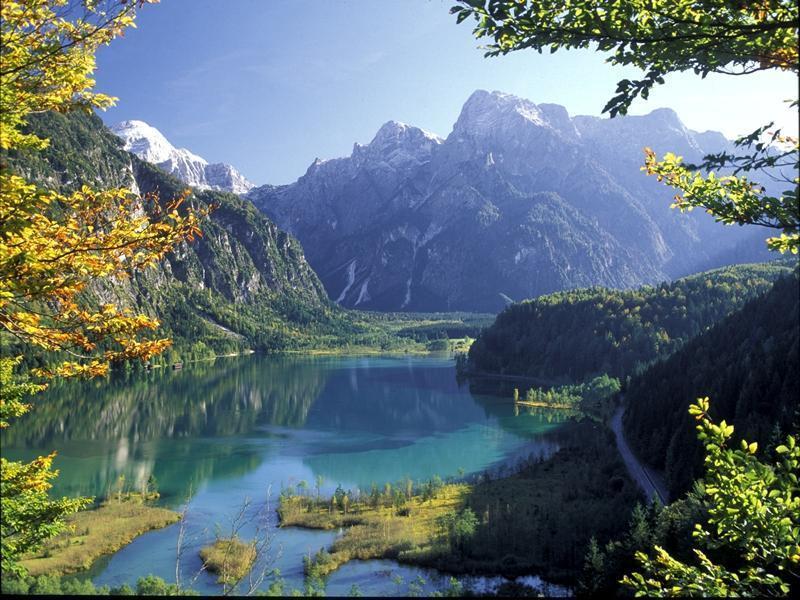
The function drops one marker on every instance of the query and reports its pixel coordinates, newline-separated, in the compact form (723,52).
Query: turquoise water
(215,434)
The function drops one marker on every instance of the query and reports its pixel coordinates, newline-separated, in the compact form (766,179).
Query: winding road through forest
(651,483)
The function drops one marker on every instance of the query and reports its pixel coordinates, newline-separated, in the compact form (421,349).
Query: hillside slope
(577,334)
(748,365)
(244,284)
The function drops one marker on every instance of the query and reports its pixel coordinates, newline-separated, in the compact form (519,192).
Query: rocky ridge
(517,201)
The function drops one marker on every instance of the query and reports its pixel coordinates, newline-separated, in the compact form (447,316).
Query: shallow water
(214,434)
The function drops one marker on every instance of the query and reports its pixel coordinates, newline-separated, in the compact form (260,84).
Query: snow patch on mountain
(363,295)
(149,144)
(351,278)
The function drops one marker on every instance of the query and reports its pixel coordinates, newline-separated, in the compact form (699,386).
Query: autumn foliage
(55,246)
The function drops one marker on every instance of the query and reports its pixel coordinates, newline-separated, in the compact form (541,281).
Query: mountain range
(519,200)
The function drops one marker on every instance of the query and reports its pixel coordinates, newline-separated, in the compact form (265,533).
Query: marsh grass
(538,520)
(96,532)
(407,531)
(231,559)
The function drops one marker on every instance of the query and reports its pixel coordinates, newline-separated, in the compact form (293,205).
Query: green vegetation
(605,564)
(392,522)
(749,363)
(374,332)
(231,559)
(29,515)
(595,396)
(438,326)
(751,538)
(539,519)
(542,518)
(52,585)
(571,336)
(97,532)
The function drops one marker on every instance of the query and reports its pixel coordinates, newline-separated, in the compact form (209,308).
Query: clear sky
(269,85)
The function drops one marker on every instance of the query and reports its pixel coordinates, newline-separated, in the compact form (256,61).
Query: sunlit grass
(408,532)
(97,532)
(231,559)
(538,520)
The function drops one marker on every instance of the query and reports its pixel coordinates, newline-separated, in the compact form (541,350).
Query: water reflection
(219,398)
(173,425)
(215,433)
(350,420)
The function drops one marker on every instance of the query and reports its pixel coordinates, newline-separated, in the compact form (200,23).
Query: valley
(409,397)
(535,353)
(400,427)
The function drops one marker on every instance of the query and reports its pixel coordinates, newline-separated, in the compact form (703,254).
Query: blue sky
(269,85)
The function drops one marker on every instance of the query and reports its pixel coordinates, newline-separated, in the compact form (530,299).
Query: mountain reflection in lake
(217,432)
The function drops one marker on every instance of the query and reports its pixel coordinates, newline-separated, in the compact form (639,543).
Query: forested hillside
(748,364)
(569,336)
(244,284)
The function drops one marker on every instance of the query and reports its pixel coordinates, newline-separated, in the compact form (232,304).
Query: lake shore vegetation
(539,519)
(96,532)
(230,558)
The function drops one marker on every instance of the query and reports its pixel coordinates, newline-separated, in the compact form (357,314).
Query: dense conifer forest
(570,336)
(748,363)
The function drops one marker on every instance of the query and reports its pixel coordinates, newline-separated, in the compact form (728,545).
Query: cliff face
(518,201)
(243,283)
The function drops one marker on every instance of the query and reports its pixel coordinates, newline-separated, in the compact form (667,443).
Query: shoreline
(98,532)
(358,351)
(362,518)
(545,405)
(507,377)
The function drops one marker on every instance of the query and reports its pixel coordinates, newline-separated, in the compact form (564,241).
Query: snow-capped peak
(149,144)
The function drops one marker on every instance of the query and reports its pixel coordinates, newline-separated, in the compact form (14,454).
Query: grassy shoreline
(536,521)
(97,532)
(393,525)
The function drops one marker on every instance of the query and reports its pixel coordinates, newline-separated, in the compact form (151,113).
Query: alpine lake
(214,434)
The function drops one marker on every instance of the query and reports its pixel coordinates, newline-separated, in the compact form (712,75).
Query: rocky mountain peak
(394,134)
(397,144)
(666,116)
(397,132)
(149,144)
(484,111)
(145,141)
(520,199)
